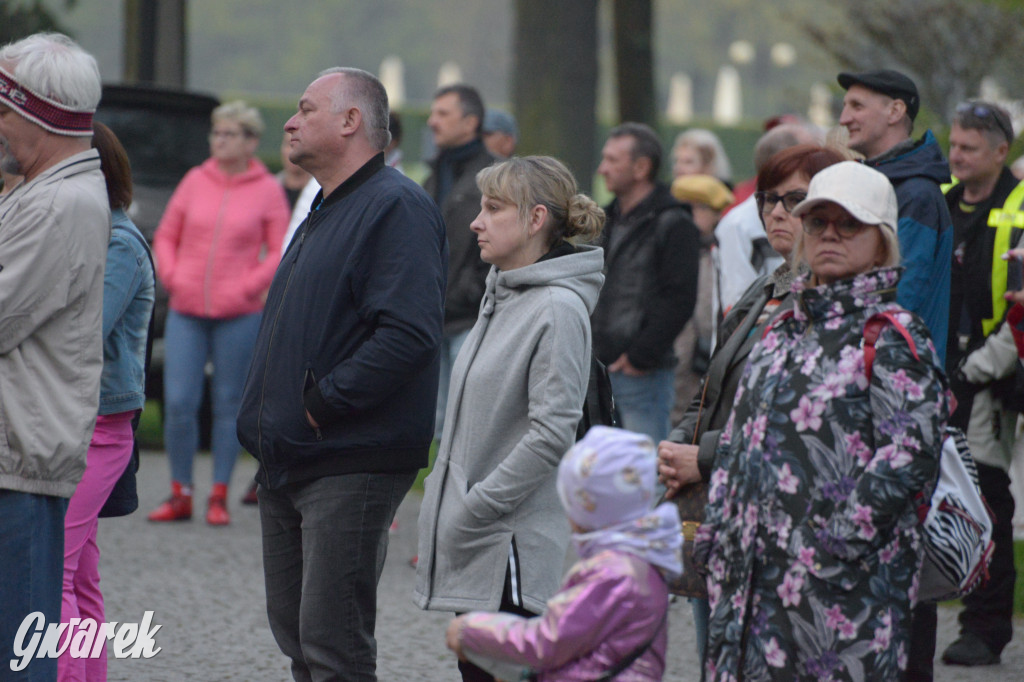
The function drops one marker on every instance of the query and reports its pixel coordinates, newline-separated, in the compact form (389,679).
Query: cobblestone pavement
(205,587)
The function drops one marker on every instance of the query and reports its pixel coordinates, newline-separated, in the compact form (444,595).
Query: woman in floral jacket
(811,538)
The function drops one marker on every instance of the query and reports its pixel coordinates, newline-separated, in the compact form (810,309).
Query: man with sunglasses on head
(879,109)
(986,205)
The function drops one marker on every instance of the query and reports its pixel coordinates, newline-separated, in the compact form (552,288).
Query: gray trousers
(324,544)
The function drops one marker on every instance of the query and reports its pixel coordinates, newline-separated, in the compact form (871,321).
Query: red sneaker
(178,507)
(217,506)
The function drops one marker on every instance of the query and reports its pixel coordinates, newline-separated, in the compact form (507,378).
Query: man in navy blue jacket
(339,403)
(878,111)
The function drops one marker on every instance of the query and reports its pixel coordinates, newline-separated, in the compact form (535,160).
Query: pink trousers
(109,452)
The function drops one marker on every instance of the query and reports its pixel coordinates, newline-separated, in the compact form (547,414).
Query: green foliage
(1018,590)
(308,38)
(947,46)
(693,37)
(20,18)
(150,433)
(418,483)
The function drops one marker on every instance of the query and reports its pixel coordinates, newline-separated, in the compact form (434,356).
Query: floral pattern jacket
(811,539)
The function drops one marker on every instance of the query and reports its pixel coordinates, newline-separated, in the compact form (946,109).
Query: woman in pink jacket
(216,249)
(609,620)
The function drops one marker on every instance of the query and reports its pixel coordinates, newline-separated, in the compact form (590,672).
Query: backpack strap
(785,315)
(873,327)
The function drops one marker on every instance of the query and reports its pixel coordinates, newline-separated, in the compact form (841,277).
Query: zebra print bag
(956,522)
(957,527)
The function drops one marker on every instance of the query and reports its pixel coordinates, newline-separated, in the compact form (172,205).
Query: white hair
(54,66)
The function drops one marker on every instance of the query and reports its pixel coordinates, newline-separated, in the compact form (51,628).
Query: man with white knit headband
(54,230)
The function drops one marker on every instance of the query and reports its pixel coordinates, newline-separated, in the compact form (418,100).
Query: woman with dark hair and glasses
(812,541)
(688,456)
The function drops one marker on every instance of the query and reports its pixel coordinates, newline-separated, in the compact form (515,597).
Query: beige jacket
(990,431)
(54,232)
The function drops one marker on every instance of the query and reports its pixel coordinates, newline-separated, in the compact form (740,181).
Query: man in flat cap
(878,111)
(54,229)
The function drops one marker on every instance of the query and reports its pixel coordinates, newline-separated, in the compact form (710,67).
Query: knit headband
(43,111)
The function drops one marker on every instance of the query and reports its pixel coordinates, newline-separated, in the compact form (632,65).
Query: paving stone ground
(205,587)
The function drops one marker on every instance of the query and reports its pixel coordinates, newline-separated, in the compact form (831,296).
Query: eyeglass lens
(846,227)
(766,200)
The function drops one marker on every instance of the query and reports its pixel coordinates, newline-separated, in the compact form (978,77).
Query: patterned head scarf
(607,485)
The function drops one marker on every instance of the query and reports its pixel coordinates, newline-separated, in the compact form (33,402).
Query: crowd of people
(765,468)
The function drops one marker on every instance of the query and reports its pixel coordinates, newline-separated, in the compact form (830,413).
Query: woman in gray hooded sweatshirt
(492,534)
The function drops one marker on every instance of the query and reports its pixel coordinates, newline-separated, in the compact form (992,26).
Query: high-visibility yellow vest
(1003,220)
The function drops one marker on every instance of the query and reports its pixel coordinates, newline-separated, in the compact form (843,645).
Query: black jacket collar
(367,171)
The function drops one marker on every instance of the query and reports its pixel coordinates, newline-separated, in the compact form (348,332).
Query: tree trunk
(154,32)
(634,61)
(555,81)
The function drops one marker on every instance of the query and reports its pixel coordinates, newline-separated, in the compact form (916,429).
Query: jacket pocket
(308,382)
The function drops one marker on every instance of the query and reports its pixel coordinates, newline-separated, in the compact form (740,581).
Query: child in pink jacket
(611,612)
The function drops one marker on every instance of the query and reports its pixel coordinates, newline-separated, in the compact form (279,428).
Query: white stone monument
(728,104)
(392,76)
(680,99)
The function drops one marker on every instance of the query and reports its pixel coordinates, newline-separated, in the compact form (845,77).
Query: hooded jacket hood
(255,171)
(579,272)
(921,158)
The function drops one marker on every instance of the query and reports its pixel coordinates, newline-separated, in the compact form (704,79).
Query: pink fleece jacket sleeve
(273,224)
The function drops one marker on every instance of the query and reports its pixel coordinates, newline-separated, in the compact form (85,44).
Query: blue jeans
(324,544)
(31,573)
(701,616)
(190,342)
(450,347)
(645,402)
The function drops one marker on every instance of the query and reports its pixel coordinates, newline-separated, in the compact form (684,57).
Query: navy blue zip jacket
(351,332)
(916,169)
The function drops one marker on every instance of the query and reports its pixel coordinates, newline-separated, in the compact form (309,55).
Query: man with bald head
(339,405)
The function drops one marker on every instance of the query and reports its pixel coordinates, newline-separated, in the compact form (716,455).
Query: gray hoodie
(516,396)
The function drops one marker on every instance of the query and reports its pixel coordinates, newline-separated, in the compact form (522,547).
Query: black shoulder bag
(124,497)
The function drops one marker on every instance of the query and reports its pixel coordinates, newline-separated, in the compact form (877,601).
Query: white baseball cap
(865,193)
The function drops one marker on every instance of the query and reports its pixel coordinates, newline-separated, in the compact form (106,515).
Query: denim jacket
(127,304)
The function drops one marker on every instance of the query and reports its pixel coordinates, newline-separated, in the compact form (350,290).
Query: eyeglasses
(984,113)
(766,200)
(847,227)
(229,134)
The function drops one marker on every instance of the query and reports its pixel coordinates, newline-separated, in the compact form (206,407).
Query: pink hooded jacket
(219,241)
(609,605)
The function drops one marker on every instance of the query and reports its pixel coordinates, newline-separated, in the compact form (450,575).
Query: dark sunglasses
(766,200)
(983,113)
(846,227)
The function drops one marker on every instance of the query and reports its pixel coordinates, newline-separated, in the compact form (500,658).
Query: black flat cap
(888,82)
